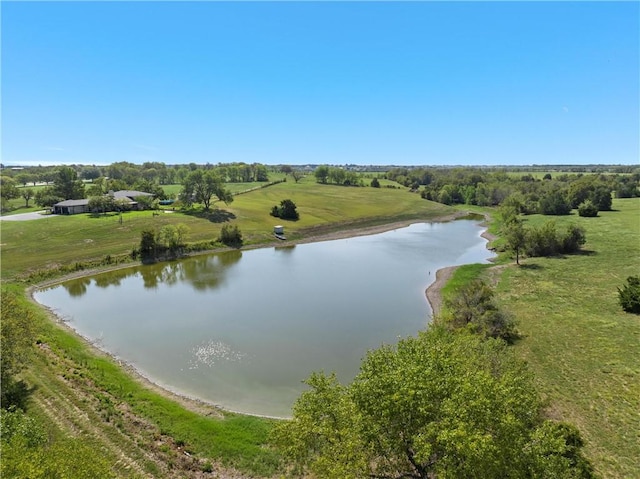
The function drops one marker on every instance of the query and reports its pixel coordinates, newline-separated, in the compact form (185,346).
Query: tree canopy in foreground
(443,405)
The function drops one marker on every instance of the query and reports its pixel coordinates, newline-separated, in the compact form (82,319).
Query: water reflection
(202,272)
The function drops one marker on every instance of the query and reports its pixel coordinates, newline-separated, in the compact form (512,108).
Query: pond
(243,329)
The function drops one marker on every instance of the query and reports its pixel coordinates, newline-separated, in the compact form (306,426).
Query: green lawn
(584,350)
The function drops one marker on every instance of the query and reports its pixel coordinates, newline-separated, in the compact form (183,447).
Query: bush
(588,209)
(629,295)
(473,306)
(231,235)
(286,210)
(375,183)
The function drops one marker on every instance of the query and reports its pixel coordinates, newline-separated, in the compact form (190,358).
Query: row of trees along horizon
(554,194)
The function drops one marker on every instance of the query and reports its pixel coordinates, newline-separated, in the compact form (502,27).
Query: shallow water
(244,329)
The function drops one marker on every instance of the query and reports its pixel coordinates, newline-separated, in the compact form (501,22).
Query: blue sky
(414,83)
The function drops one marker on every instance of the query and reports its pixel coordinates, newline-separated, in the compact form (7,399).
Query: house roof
(82,202)
(130,194)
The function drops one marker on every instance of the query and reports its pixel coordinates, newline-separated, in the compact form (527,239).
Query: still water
(243,329)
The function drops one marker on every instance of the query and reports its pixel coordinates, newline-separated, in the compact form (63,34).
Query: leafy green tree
(554,203)
(46,197)
(27,194)
(322,174)
(375,183)
(629,295)
(8,191)
(287,210)
(67,185)
(173,237)
(439,405)
(515,236)
(148,245)
(201,186)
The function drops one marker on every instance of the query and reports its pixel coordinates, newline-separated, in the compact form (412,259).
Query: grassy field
(584,350)
(46,242)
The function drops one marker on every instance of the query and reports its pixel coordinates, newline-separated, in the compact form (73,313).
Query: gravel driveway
(34,215)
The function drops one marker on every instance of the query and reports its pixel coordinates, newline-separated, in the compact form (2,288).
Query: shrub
(588,209)
(375,183)
(231,235)
(286,210)
(629,295)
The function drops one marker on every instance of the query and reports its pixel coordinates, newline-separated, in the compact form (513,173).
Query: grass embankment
(80,392)
(583,349)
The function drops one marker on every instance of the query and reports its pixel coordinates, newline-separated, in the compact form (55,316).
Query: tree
(322,174)
(437,405)
(629,295)
(46,197)
(173,237)
(375,183)
(147,245)
(27,194)
(515,236)
(297,175)
(554,203)
(201,186)
(286,210)
(67,185)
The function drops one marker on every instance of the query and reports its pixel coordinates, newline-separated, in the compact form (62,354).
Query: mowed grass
(584,350)
(31,245)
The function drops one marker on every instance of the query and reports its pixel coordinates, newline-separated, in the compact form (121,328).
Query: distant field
(584,350)
(65,239)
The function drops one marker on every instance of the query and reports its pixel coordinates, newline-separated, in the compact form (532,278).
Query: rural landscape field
(577,341)
(320,240)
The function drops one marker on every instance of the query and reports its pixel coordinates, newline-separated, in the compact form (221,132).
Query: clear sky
(414,83)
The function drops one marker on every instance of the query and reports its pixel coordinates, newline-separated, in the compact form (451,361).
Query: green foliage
(438,405)
(321,173)
(375,183)
(67,185)
(547,241)
(147,245)
(587,209)
(554,203)
(473,306)
(629,295)
(287,210)
(64,458)
(201,186)
(46,197)
(231,235)
(173,237)
(16,426)
(17,339)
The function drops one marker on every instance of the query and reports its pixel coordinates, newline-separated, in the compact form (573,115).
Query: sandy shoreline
(208,408)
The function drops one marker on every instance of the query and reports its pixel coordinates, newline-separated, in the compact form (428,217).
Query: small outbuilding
(71,207)
(278,231)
